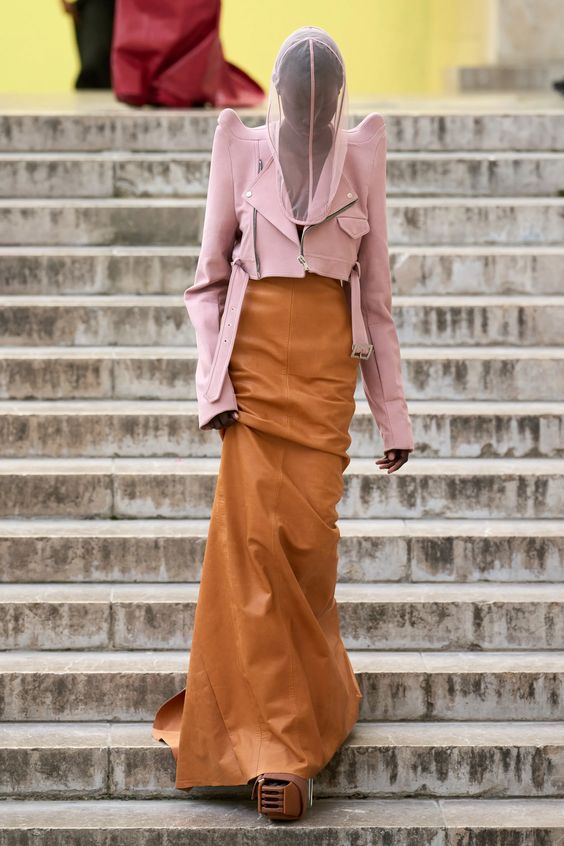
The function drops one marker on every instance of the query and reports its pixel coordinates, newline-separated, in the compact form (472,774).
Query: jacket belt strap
(231,313)
(361,347)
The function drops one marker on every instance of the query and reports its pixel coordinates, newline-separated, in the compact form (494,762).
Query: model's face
(295,93)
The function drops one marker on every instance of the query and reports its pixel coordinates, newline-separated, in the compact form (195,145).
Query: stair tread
(190,352)
(210,466)
(396,813)
(39,301)
(363,661)
(193,249)
(362,592)
(349,527)
(187,406)
(47,735)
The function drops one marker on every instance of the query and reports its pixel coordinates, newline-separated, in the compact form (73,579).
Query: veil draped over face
(307,118)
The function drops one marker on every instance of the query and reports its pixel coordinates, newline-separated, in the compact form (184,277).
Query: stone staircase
(451,577)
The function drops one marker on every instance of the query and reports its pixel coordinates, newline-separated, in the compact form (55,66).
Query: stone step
(378,760)
(426,270)
(169,221)
(173,174)
(123,174)
(167,373)
(480,127)
(338,822)
(154,428)
(373,616)
(184,487)
(130,686)
(93,320)
(411,550)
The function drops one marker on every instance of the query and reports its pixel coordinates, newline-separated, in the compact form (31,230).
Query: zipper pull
(302,260)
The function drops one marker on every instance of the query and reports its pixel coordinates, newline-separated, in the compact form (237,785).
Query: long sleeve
(381,372)
(205,299)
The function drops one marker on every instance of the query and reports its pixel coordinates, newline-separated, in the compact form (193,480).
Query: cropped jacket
(247,235)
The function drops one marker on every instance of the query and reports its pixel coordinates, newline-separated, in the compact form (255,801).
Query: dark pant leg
(94,29)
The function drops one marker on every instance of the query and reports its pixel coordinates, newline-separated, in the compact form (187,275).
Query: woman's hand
(222,420)
(393,459)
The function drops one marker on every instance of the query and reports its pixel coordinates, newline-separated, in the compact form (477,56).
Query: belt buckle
(361,350)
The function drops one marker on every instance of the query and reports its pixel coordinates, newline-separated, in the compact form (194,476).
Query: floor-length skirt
(270,685)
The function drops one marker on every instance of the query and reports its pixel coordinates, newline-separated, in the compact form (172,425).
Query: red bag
(168,53)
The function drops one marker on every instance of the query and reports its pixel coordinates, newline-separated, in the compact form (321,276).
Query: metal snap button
(349,194)
(249,194)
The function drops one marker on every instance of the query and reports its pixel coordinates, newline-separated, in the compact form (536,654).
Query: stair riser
(149,624)
(96,377)
(192,132)
(176,176)
(100,558)
(92,177)
(85,224)
(78,223)
(160,834)
(98,273)
(477,177)
(421,324)
(129,696)
(119,495)
(139,772)
(25,435)
(413,273)
(334,833)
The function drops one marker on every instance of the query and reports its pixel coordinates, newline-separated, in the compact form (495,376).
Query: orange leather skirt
(270,685)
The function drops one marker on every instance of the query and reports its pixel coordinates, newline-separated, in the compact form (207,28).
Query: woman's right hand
(222,420)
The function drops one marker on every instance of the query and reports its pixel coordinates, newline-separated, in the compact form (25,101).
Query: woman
(295,209)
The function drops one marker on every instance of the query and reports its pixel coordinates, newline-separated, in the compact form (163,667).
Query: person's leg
(94,30)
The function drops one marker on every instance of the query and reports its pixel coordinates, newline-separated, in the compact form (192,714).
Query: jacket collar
(264,198)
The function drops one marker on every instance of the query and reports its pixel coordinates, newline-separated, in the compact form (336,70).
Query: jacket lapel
(264,198)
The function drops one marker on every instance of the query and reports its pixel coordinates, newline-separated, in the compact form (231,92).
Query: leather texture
(270,686)
(247,236)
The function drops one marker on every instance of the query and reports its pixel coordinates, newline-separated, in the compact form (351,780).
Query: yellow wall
(390,46)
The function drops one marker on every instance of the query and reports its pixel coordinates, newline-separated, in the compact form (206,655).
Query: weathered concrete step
(373,616)
(184,488)
(330,822)
(369,550)
(130,686)
(424,270)
(143,174)
(92,320)
(478,128)
(167,373)
(154,428)
(102,270)
(472,270)
(124,174)
(97,760)
(169,221)
(499,173)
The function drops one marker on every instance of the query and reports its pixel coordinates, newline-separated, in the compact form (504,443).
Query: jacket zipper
(301,257)
(257,260)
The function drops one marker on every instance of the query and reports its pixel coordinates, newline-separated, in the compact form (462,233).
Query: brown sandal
(283,796)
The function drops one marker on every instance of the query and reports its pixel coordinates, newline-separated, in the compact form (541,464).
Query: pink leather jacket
(246,235)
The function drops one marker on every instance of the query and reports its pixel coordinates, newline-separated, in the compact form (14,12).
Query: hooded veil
(307,118)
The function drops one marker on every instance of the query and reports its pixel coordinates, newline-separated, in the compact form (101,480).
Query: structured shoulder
(230,120)
(371,126)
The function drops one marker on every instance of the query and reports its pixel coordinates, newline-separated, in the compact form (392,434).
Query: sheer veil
(307,115)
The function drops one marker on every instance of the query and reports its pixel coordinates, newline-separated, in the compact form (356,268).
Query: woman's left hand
(393,459)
